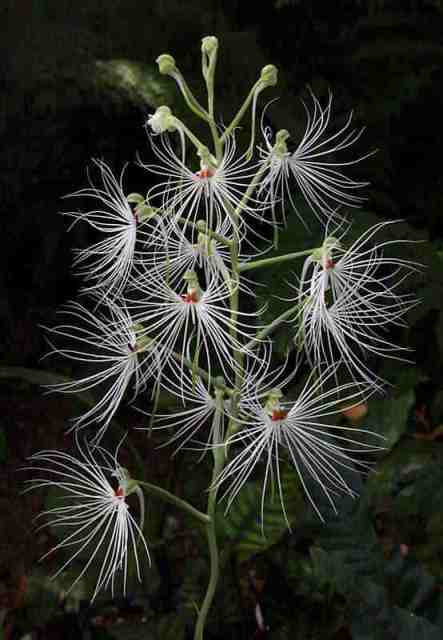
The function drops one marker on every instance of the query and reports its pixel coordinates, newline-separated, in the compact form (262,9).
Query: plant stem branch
(219,460)
(263,333)
(266,262)
(164,495)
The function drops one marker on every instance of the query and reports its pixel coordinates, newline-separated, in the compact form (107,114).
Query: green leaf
(389,416)
(242,525)
(387,597)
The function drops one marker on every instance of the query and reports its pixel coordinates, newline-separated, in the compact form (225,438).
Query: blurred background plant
(79,81)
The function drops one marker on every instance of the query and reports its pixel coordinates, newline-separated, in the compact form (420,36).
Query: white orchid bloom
(201,412)
(349,298)
(173,252)
(314,165)
(109,341)
(107,264)
(270,428)
(178,317)
(212,193)
(206,410)
(95,514)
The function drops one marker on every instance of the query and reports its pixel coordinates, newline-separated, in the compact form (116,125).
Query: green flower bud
(273,400)
(166,64)
(144,343)
(209,45)
(131,486)
(317,254)
(193,291)
(268,75)
(326,254)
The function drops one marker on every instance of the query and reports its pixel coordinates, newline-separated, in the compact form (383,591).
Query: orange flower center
(329,264)
(278,414)
(190,297)
(119,493)
(204,173)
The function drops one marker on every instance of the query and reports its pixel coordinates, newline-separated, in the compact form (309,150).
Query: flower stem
(286,315)
(191,136)
(163,494)
(201,372)
(219,459)
(212,234)
(190,99)
(258,264)
(240,113)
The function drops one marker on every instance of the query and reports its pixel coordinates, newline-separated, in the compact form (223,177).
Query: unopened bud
(269,75)
(209,44)
(273,400)
(144,212)
(166,64)
(191,278)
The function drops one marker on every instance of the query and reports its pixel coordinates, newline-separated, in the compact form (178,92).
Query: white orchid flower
(349,298)
(270,428)
(95,514)
(175,317)
(109,341)
(212,193)
(314,166)
(202,413)
(107,264)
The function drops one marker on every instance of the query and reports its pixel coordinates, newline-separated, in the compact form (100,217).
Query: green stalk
(265,262)
(192,137)
(202,373)
(190,99)
(164,495)
(240,113)
(212,234)
(209,73)
(211,534)
(270,328)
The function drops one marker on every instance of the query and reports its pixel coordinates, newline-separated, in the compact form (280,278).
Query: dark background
(77,81)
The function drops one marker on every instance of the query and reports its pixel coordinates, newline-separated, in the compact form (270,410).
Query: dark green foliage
(243,527)
(367,591)
(390,597)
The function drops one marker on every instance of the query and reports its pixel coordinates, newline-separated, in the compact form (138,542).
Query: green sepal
(135,198)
